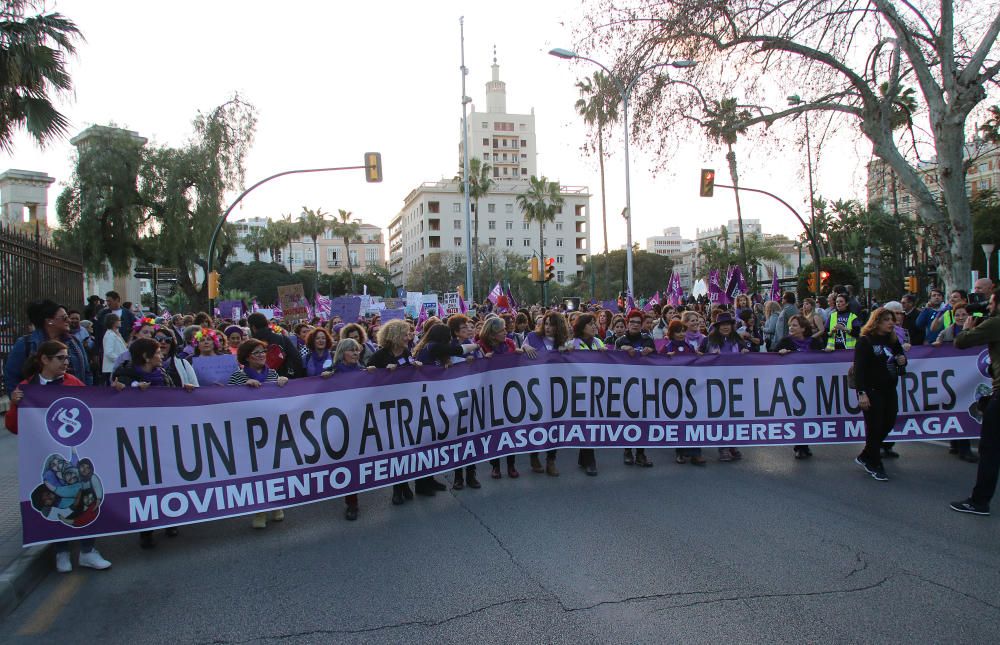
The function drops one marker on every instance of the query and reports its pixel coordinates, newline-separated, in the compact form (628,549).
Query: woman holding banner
(550,336)
(357,333)
(879,362)
(318,360)
(585,331)
(394,339)
(48,366)
(800,338)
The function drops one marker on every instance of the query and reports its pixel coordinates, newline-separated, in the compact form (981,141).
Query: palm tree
(313,223)
(255,241)
(290,231)
(726,121)
(274,237)
(33,63)
(480,184)
(539,204)
(601,110)
(348,230)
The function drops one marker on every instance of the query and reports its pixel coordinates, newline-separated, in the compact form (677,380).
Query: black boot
(397,494)
(405,489)
(423,487)
(459,480)
(470,477)
(146,540)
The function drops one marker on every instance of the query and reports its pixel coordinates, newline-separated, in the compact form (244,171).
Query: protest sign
(214,370)
(293,303)
(164,457)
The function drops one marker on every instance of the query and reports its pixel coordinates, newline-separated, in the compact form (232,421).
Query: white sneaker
(259,521)
(93,560)
(278,515)
(63,562)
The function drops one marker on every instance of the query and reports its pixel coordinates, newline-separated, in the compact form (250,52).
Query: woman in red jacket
(47,366)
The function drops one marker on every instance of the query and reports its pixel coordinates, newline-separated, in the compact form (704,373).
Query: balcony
(332,264)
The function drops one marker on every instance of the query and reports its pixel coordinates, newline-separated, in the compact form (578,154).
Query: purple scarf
(315,363)
(802,344)
(693,339)
(154,378)
(260,377)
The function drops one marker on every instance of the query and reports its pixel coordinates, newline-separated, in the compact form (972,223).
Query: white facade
(750,227)
(433,218)
(433,214)
(503,140)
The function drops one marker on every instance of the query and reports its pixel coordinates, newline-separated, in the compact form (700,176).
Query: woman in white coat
(113,346)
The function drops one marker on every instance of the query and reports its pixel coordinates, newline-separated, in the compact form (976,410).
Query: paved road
(765,550)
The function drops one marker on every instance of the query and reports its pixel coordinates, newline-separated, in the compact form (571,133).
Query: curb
(21,577)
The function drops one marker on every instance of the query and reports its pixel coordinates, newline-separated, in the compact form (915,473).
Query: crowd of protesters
(109,344)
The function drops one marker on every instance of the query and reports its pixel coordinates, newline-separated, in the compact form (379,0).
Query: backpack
(275,358)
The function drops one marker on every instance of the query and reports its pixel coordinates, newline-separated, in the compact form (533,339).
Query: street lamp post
(625,92)
(795,99)
(988,252)
(465,171)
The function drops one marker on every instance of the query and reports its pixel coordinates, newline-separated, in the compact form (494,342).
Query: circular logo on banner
(983,362)
(69,421)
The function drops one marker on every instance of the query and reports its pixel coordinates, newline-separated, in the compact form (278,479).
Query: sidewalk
(20,569)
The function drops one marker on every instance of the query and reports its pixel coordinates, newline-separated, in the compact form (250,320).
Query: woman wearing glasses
(255,373)
(48,366)
(51,322)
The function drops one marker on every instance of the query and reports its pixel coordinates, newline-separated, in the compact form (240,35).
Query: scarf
(801,344)
(154,378)
(316,364)
(260,377)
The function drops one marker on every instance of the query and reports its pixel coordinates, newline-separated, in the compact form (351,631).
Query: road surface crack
(944,586)
(803,594)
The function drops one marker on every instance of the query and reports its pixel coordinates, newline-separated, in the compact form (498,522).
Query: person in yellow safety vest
(947,318)
(845,326)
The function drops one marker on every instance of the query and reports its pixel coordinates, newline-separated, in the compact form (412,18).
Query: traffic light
(824,276)
(213,285)
(550,268)
(707,182)
(373,167)
(911,284)
(536,275)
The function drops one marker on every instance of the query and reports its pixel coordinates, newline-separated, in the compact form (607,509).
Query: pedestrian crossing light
(536,274)
(707,182)
(911,284)
(373,167)
(550,268)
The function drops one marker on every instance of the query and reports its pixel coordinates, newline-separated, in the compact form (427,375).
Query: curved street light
(625,92)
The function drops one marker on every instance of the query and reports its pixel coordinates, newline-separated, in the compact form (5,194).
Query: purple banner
(94,461)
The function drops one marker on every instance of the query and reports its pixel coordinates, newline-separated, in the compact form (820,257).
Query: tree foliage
(33,51)
(855,59)
(158,204)
(760,251)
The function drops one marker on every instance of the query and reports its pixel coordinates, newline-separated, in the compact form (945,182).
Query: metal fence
(30,270)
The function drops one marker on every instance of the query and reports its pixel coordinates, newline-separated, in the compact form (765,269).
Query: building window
(496,142)
(522,126)
(524,143)
(509,225)
(525,225)
(524,172)
(458,241)
(508,208)
(526,242)
(559,241)
(491,208)
(510,241)
(433,207)
(524,156)
(559,259)
(505,171)
(458,225)
(486,125)
(561,275)
(493,241)
(559,209)
(371,255)
(328,234)
(456,207)
(492,225)
(353,258)
(559,226)
(486,142)
(496,171)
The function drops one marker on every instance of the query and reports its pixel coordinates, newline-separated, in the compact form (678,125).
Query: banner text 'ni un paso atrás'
(94,461)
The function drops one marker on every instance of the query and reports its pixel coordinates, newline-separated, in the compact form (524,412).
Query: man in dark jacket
(114,306)
(910,314)
(261,330)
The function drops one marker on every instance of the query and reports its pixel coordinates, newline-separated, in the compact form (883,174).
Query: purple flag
(629,302)
(510,299)
(716,295)
(735,284)
(775,289)
(422,318)
(675,293)
(655,300)
(495,294)
(462,308)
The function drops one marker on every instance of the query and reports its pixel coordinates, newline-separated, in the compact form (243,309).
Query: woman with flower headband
(234,338)
(209,344)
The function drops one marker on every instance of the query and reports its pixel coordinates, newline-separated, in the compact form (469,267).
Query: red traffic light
(707,187)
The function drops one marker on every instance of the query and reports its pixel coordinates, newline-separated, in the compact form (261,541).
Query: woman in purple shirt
(551,336)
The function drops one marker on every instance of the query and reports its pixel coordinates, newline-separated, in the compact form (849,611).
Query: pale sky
(332,80)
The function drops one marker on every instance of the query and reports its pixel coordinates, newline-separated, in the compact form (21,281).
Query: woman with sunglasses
(48,366)
(179,370)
